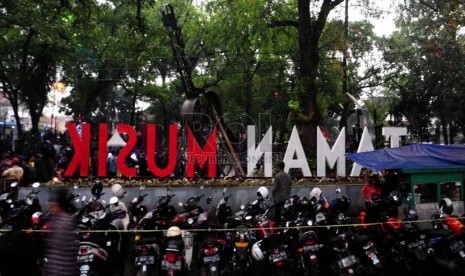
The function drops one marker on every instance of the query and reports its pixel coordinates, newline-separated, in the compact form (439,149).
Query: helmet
(117,190)
(257,253)
(446,205)
(316,193)
(395,198)
(173,231)
(37,218)
(96,188)
(15,161)
(343,203)
(262,192)
(95,209)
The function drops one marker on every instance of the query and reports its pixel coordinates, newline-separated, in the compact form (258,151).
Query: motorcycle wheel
(149,272)
(279,272)
(207,271)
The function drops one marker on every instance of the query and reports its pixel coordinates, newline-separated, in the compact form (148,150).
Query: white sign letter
(394,133)
(254,154)
(294,147)
(365,145)
(337,154)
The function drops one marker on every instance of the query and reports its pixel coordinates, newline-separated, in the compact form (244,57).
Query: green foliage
(425,60)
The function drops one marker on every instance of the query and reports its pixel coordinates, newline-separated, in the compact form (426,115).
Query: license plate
(347,261)
(416,245)
(85,258)
(242,244)
(211,259)
(145,260)
(278,257)
(312,248)
(171,266)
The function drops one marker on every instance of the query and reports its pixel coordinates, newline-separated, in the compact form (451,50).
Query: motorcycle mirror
(114,200)
(209,200)
(35,185)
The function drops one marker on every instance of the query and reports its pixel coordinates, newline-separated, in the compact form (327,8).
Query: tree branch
(284,23)
(435,9)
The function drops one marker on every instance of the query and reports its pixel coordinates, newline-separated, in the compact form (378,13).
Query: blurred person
(111,163)
(15,172)
(282,185)
(32,161)
(5,162)
(143,166)
(61,243)
(29,172)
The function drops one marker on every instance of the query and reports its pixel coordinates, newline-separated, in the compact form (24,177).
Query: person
(372,187)
(111,160)
(15,172)
(282,185)
(61,243)
(371,194)
(390,183)
(29,172)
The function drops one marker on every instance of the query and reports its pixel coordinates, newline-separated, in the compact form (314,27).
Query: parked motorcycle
(173,261)
(97,253)
(213,247)
(272,250)
(137,209)
(241,247)
(305,246)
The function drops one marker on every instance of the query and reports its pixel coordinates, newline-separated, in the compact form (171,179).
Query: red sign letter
(151,145)
(195,153)
(81,149)
(102,149)
(126,150)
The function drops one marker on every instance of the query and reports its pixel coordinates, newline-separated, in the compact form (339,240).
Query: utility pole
(345,84)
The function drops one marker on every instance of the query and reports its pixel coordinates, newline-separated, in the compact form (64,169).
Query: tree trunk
(445,134)
(309,33)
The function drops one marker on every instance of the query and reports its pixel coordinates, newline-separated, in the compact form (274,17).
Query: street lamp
(60,87)
(358,107)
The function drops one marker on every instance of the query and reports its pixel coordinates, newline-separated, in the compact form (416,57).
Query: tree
(425,58)
(30,54)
